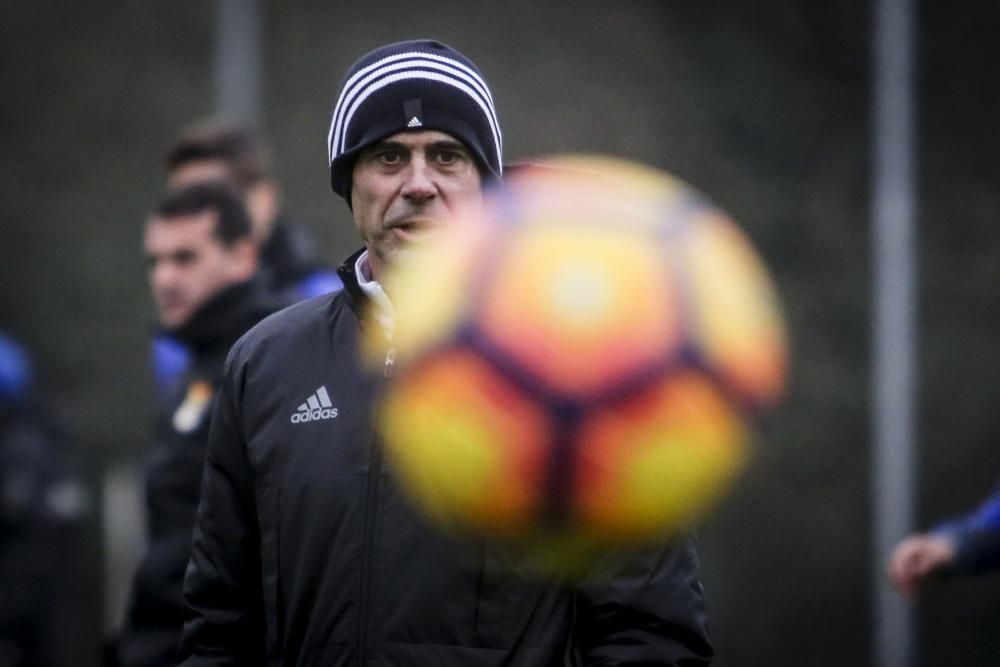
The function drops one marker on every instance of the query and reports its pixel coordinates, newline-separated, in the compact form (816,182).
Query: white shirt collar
(382,309)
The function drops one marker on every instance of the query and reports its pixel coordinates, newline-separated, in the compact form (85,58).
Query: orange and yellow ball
(579,367)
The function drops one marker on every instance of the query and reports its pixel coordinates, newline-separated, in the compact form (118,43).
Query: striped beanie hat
(413,85)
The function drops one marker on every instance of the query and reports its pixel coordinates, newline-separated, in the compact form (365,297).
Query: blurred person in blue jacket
(208,290)
(42,501)
(966,545)
(235,154)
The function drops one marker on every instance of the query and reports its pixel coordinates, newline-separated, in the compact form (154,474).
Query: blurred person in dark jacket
(965,545)
(203,273)
(305,551)
(233,153)
(42,501)
(237,155)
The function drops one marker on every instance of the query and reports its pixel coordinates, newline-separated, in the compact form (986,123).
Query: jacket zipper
(370,530)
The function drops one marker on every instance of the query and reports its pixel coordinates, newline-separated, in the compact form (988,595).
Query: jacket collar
(227,315)
(367,296)
(347,272)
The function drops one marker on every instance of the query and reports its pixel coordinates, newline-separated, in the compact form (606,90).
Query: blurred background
(765,106)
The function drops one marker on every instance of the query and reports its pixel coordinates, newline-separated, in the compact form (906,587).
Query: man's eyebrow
(384,145)
(442,145)
(450,145)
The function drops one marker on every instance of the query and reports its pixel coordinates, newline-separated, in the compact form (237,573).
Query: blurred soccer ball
(579,369)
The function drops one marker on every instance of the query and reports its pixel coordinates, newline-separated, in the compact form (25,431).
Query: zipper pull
(390,362)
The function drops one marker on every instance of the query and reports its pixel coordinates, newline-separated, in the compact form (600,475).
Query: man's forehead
(194,226)
(411,139)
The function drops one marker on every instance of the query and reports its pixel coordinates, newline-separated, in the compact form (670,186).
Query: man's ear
(263,201)
(245,253)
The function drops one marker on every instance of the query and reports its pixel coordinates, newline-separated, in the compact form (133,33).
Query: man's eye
(389,157)
(449,157)
(184,258)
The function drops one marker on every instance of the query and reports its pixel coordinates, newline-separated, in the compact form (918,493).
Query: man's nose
(419,184)
(162,276)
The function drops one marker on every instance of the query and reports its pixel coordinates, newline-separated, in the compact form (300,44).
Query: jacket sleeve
(224,618)
(649,611)
(976,537)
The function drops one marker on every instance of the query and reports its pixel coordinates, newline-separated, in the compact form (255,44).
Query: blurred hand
(917,558)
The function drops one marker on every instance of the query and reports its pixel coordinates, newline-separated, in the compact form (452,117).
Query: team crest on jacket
(192,410)
(316,407)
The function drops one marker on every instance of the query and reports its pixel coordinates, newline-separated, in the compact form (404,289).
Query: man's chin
(173,319)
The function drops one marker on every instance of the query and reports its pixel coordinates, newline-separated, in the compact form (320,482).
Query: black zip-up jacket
(304,552)
(155,616)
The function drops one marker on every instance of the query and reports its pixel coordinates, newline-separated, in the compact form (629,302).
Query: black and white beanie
(414,85)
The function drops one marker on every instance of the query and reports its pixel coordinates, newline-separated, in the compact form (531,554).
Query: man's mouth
(411,225)
(170,301)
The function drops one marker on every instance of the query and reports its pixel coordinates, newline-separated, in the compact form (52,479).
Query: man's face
(409,185)
(188,265)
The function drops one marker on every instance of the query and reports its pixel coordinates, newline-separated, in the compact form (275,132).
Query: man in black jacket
(304,551)
(203,274)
